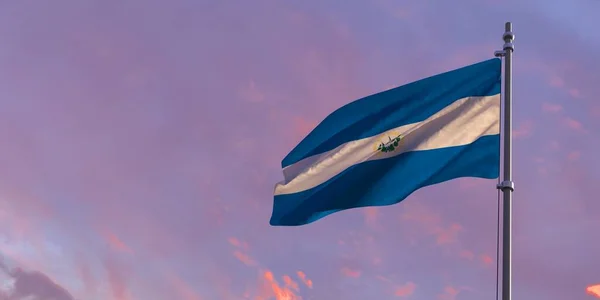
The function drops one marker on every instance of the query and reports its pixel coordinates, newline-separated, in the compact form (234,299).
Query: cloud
(304,279)
(432,223)
(405,290)
(302,127)
(524,130)
(486,259)
(449,293)
(32,285)
(280,292)
(371,214)
(244,258)
(240,253)
(593,290)
(350,272)
(117,279)
(574,155)
(447,235)
(183,289)
(237,243)
(117,244)
(251,93)
(573,124)
(290,283)
(552,108)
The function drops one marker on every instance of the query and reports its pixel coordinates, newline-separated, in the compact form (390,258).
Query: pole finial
(508,37)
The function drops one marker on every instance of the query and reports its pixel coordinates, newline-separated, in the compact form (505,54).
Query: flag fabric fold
(378,150)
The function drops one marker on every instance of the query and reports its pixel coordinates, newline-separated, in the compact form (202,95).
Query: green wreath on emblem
(391,145)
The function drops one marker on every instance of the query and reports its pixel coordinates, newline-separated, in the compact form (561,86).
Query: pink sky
(140,142)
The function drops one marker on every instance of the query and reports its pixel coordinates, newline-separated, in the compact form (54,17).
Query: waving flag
(378,150)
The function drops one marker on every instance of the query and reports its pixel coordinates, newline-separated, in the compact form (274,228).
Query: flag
(378,150)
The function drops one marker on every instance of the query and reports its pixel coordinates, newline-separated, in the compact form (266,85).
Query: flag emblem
(391,144)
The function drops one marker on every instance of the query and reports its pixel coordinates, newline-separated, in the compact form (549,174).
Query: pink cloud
(86,275)
(183,290)
(117,279)
(371,214)
(406,290)
(552,108)
(573,124)
(557,82)
(251,93)
(447,235)
(575,93)
(302,126)
(350,272)
(525,129)
(449,293)
(574,155)
(432,223)
(486,259)
(117,244)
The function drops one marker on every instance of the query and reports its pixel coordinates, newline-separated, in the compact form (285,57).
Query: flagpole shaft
(507,185)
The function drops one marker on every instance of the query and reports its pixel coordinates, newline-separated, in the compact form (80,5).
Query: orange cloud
(280,292)
(237,243)
(594,290)
(247,260)
(290,283)
(304,279)
(239,254)
(405,290)
(350,272)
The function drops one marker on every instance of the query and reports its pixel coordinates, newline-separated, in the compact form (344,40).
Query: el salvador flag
(378,150)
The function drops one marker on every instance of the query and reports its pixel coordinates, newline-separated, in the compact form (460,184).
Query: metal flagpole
(507,186)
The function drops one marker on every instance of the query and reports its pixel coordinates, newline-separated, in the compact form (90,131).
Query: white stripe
(459,123)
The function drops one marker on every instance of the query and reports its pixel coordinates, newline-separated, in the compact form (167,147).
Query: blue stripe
(403,105)
(388,181)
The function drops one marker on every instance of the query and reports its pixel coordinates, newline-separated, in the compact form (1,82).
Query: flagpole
(507,186)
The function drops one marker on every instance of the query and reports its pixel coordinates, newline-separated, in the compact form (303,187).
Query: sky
(140,142)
